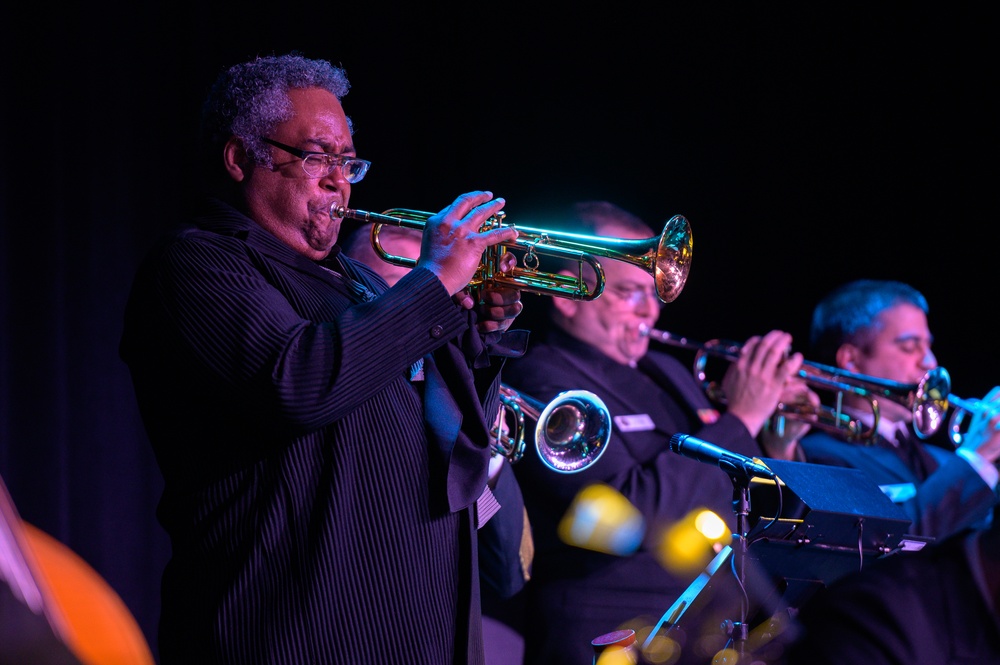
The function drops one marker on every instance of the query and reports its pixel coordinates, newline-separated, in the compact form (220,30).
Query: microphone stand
(741,506)
(741,470)
(737,630)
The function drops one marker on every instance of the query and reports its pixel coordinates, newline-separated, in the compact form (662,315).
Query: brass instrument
(963,407)
(571,432)
(666,257)
(927,399)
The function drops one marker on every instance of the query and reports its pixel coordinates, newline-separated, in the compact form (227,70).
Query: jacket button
(437,331)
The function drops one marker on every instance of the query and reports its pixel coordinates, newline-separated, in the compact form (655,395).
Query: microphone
(730,462)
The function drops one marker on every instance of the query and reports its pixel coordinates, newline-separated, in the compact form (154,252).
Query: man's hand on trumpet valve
(496,306)
(452,245)
(983,435)
(754,383)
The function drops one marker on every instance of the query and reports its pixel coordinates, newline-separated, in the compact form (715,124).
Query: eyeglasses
(633,295)
(319,164)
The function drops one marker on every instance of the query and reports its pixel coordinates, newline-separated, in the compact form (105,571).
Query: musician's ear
(567,307)
(847,357)
(236,159)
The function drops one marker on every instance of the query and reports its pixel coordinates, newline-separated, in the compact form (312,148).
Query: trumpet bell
(957,427)
(672,262)
(571,431)
(930,402)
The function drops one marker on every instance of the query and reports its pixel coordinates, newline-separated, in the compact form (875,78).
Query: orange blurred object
(85,613)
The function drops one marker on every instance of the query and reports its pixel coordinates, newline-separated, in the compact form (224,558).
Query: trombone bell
(667,257)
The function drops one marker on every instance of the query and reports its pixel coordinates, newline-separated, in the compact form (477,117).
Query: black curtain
(806,148)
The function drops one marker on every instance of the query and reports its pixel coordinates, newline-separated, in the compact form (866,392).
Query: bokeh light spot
(603,520)
(689,544)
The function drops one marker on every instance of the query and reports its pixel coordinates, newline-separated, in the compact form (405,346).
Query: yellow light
(688,545)
(711,526)
(616,656)
(603,520)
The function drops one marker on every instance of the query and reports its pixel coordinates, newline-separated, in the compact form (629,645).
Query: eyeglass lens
(320,165)
(633,295)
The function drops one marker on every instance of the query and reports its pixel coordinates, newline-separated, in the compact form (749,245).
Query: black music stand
(832,521)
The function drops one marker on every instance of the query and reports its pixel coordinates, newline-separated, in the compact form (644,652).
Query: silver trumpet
(571,431)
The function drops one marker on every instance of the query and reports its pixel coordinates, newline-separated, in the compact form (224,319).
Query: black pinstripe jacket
(319,503)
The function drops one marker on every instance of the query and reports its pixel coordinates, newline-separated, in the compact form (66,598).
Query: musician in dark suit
(505,543)
(578,594)
(937,606)
(324,440)
(879,328)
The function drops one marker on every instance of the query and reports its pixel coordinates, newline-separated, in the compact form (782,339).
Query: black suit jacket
(320,505)
(576,594)
(912,608)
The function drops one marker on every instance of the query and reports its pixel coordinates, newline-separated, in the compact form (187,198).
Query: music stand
(832,521)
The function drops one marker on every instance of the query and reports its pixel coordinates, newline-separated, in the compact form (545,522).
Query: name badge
(639,422)
(899,492)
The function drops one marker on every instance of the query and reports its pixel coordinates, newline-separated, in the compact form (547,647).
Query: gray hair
(250,99)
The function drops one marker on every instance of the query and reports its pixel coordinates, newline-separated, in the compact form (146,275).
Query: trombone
(571,432)
(927,399)
(666,257)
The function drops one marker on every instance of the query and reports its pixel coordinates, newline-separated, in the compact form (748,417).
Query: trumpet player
(324,441)
(576,594)
(879,328)
(938,605)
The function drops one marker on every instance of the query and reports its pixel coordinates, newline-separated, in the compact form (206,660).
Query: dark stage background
(806,146)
